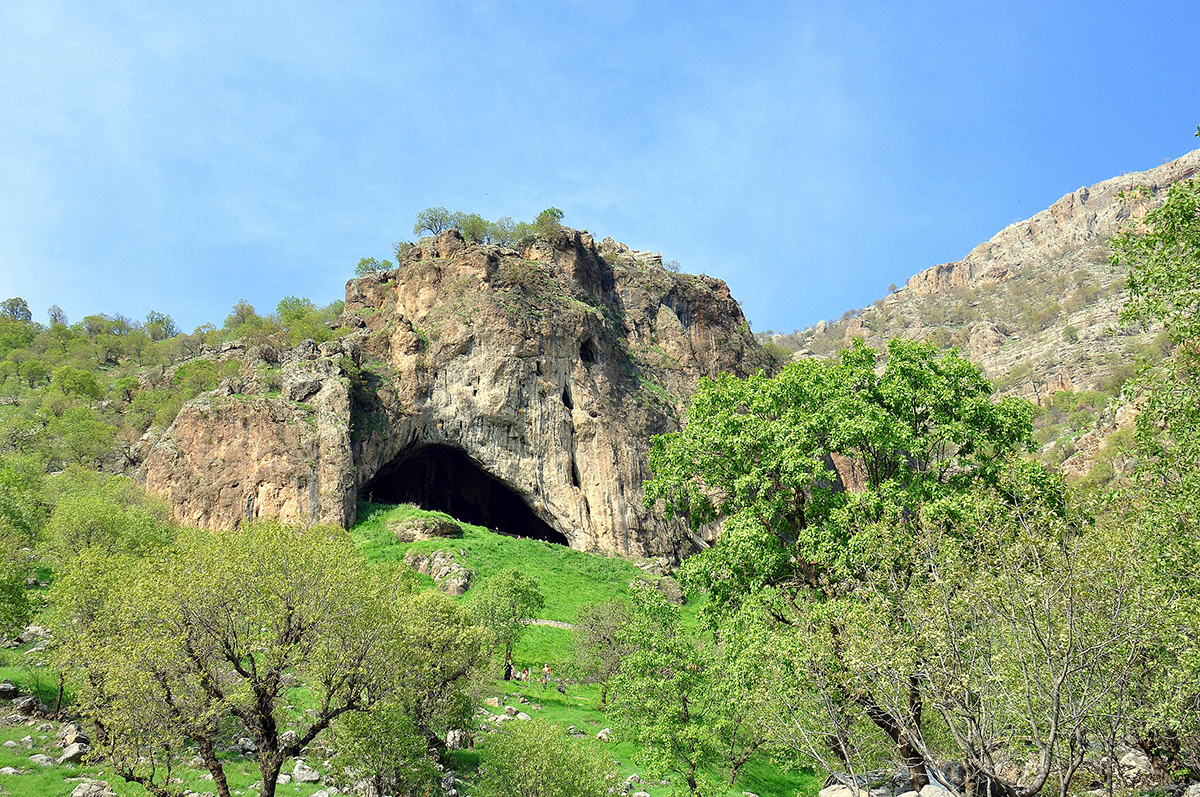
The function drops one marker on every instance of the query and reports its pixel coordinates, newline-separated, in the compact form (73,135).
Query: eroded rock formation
(517,390)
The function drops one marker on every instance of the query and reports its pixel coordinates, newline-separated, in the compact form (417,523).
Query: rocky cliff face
(1036,306)
(515,389)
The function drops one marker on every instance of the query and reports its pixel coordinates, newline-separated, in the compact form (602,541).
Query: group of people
(523,675)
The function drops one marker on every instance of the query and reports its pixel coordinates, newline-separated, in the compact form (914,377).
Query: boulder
(74,753)
(604,735)
(1136,761)
(8,690)
(494,702)
(511,711)
(424,528)
(450,576)
(71,733)
(28,706)
(41,760)
(303,773)
(283,779)
(935,791)
(841,790)
(457,739)
(93,788)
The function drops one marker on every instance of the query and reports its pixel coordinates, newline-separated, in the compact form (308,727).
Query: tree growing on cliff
(433,221)
(761,453)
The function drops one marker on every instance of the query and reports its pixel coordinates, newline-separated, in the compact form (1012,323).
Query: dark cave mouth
(444,479)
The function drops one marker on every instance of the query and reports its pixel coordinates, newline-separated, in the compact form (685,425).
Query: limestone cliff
(519,389)
(1036,305)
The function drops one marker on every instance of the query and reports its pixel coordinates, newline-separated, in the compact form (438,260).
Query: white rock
(303,773)
(41,760)
(934,791)
(841,790)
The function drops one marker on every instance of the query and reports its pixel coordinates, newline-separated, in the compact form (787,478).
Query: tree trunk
(269,766)
(213,765)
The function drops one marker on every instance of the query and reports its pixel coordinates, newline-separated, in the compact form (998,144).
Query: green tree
(16,309)
(602,641)
(160,326)
(72,381)
(502,603)
(276,631)
(548,224)
(445,652)
(369,265)
(242,313)
(15,567)
(34,372)
(433,221)
(762,454)
(689,703)
(536,758)
(1161,254)
(105,515)
(383,747)
(474,228)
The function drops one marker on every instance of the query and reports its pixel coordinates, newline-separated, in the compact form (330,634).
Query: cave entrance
(444,479)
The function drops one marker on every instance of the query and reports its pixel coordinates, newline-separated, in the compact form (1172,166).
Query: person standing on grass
(546,673)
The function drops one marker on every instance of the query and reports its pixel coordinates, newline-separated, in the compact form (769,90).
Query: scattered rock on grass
(74,753)
(303,773)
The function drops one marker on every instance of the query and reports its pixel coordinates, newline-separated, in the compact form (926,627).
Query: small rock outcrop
(450,576)
(424,528)
(516,389)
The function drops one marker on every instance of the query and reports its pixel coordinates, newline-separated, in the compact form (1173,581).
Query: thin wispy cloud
(154,157)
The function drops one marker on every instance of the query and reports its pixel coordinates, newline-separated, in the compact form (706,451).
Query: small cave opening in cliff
(587,352)
(444,479)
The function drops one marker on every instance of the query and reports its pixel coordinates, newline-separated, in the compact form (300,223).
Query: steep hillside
(1036,306)
(517,390)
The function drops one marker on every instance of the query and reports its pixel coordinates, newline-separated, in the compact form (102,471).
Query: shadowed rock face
(510,388)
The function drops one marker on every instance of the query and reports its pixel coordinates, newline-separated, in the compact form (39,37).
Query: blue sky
(178,157)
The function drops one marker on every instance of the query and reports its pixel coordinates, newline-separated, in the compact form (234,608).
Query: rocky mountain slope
(1036,306)
(517,390)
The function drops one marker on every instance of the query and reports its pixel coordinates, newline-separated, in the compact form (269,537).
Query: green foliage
(15,568)
(16,309)
(1161,255)
(106,515)
(433,221)
(547,226)
(76,382)
(383,747)
(369,265)
(537,759)
(922,435)
(691,705)
(160,326)
(601,641)
(266,630)
(502,603)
